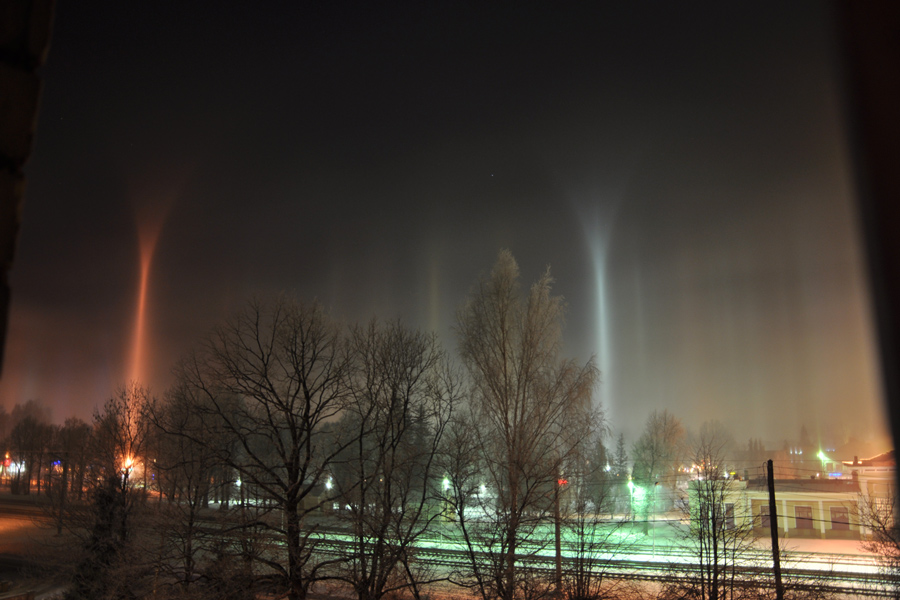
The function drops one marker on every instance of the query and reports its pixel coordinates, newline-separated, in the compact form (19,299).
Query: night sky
(681,167)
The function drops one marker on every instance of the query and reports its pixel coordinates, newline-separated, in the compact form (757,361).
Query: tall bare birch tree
(525,398)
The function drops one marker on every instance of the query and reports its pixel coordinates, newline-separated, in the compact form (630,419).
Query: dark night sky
(682,169)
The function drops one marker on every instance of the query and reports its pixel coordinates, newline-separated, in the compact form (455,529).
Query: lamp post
(449,506)
(821,456)
(631,493)
(653,531)
(639,501)
(127,467)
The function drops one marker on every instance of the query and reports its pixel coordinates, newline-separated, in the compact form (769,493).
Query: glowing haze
(681,168)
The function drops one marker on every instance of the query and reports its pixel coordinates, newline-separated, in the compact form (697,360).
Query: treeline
(36,452)
(296,452)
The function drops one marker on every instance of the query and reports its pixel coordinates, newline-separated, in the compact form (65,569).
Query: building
(825,505)
(806,508)
(876,475)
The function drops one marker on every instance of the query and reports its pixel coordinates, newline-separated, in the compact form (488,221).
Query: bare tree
(718,540)
(30,437)
(657,458)
(32,408)
(466,502)
(29,442)
(402,399)
(272,378)
(877,515)
(618,476)
(110,564)
(120,434)
(594,533)
(69,452)
(187,454)
(525,398)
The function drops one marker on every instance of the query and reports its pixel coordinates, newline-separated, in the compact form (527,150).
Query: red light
(562,482)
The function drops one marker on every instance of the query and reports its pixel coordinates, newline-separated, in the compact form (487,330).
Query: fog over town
(684,174)
(349,282)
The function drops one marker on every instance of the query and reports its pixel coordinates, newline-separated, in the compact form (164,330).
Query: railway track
(836,573)
(840,574)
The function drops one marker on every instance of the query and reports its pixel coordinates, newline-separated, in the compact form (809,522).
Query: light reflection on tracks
(829,573)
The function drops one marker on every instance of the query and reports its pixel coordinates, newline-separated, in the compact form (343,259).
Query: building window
(804,517)
(764,517)
(840,518)
(729,516)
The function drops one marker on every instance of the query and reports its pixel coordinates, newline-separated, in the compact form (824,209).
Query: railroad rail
(842,574)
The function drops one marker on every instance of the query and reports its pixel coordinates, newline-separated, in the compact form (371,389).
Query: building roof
(885,459)
(829,486)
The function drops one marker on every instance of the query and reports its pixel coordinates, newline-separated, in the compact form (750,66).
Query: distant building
(822,505)
(876,477)
(807,508)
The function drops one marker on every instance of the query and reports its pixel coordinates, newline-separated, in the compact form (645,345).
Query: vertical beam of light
(137,350)
(598,245)
(597,221)
(150,217)
(639,326)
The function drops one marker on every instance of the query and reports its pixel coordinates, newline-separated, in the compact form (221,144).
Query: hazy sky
(681,167)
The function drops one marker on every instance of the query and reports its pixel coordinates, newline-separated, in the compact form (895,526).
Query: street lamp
(638,500)
(631,491)
(652,531)
(126,469)
(821,456)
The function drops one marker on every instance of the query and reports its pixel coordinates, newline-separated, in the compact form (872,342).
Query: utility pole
(773,525)
(558,535)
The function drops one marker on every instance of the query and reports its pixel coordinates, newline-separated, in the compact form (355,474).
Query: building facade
(821,506)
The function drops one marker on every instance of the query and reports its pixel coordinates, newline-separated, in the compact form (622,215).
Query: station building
(814,507)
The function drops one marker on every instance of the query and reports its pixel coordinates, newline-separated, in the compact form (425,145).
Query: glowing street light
(821,456)
(637,492)
(127,468)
